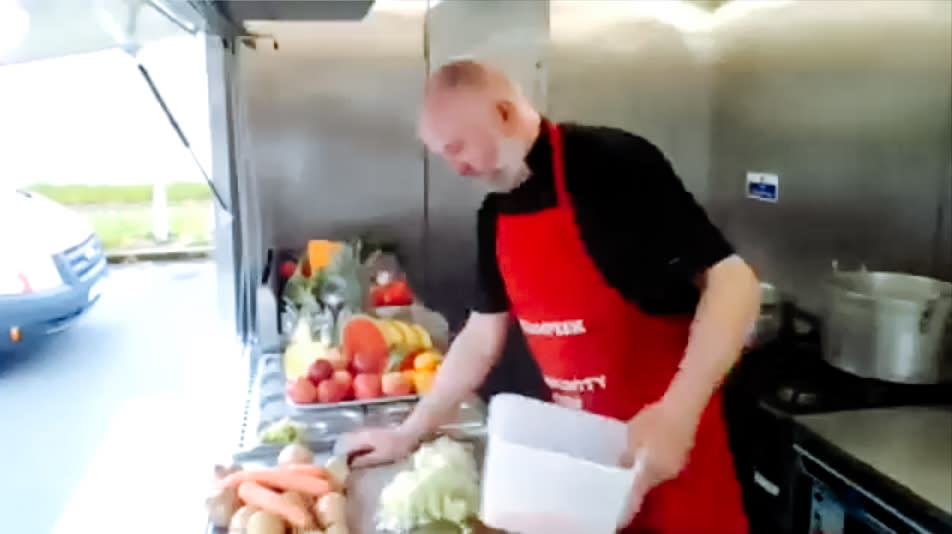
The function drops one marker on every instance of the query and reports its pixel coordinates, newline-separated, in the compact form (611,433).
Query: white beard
(511,169)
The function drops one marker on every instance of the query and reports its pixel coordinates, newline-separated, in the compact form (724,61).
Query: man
(632,302)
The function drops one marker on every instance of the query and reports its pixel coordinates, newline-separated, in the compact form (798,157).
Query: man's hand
(378,446)
(660,439)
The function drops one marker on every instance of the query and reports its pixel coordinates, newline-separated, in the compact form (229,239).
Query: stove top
(792,377)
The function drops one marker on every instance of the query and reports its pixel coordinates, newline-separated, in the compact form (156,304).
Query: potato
(295,453)
(222,504)
(331,509)
(262,522)
(337,466)
(296,498)
(239,521)
(222,471)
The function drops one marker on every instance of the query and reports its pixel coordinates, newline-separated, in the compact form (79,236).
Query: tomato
(370,362)
(332,390)
(347,382)
(302,391)
(367,386)
(396,384)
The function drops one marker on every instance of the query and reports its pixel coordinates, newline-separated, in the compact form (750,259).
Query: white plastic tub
(553,470)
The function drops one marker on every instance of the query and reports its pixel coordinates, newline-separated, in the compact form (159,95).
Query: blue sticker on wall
(763,187)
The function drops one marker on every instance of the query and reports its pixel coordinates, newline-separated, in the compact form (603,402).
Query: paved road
(58,402)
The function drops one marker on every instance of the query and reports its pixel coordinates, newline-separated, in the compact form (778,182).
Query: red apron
(601,353)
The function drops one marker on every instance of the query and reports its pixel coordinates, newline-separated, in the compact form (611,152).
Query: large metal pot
(889,326)
(768,322)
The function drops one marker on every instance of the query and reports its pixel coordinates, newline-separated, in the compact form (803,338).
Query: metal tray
(271,383)
(324,406)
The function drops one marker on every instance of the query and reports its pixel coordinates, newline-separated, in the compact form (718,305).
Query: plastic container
(553,470)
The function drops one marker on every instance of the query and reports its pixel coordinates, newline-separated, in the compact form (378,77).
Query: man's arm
(729,305)
(467,363)
(479,346)
(473,353)
(686,246)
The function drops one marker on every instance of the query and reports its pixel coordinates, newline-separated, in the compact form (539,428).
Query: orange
(423,381)
(427,361)
(408,375)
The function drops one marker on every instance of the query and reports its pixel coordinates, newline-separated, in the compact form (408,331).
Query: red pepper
(399,294)
(393,294)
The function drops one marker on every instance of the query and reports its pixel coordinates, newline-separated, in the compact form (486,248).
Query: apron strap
(558,164)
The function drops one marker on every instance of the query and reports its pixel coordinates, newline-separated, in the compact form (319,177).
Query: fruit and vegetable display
(337,348)
(376,358)
(440,485)
(296,497)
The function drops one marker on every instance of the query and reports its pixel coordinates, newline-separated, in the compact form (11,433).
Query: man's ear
(505,116)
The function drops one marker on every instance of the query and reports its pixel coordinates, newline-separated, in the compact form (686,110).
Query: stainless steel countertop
(912,445)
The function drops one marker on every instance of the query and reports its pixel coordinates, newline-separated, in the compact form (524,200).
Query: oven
(829,502)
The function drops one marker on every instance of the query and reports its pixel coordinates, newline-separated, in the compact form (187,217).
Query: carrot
(254,494)
(314,471)
(283,479)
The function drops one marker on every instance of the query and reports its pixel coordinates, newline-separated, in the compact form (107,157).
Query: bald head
(479,121)
(467,74)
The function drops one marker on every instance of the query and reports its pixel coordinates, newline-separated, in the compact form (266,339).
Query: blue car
(52,267)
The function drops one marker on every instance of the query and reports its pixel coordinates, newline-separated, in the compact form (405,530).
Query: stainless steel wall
(626,64)
(849,102)
(852,113)
(332,147)
(227,237)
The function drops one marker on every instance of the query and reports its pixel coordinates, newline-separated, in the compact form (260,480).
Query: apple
(319,371)
(332,391)
(369,362)
(395,384)
(345,378)
(367,386)
(301,390)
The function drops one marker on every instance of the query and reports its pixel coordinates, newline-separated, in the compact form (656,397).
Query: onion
(295,453)
(337,466)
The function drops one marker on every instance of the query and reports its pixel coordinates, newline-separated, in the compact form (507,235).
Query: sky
(91,119)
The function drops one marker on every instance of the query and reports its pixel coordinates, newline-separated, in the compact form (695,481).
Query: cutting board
(363,495)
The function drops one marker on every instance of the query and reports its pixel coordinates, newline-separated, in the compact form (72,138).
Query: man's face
(466,129)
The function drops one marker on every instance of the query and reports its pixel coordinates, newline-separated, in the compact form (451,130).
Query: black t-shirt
(646,234)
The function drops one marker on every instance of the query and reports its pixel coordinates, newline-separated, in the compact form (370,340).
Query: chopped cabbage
(283,432)
(442,485)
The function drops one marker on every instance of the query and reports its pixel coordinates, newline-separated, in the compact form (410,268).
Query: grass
(122,214)
(88,195)
(129,227)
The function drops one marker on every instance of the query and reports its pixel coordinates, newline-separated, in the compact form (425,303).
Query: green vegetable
(441,486)
(283,432)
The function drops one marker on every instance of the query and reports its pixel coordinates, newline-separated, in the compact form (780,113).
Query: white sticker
(763,186)
(767,485)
